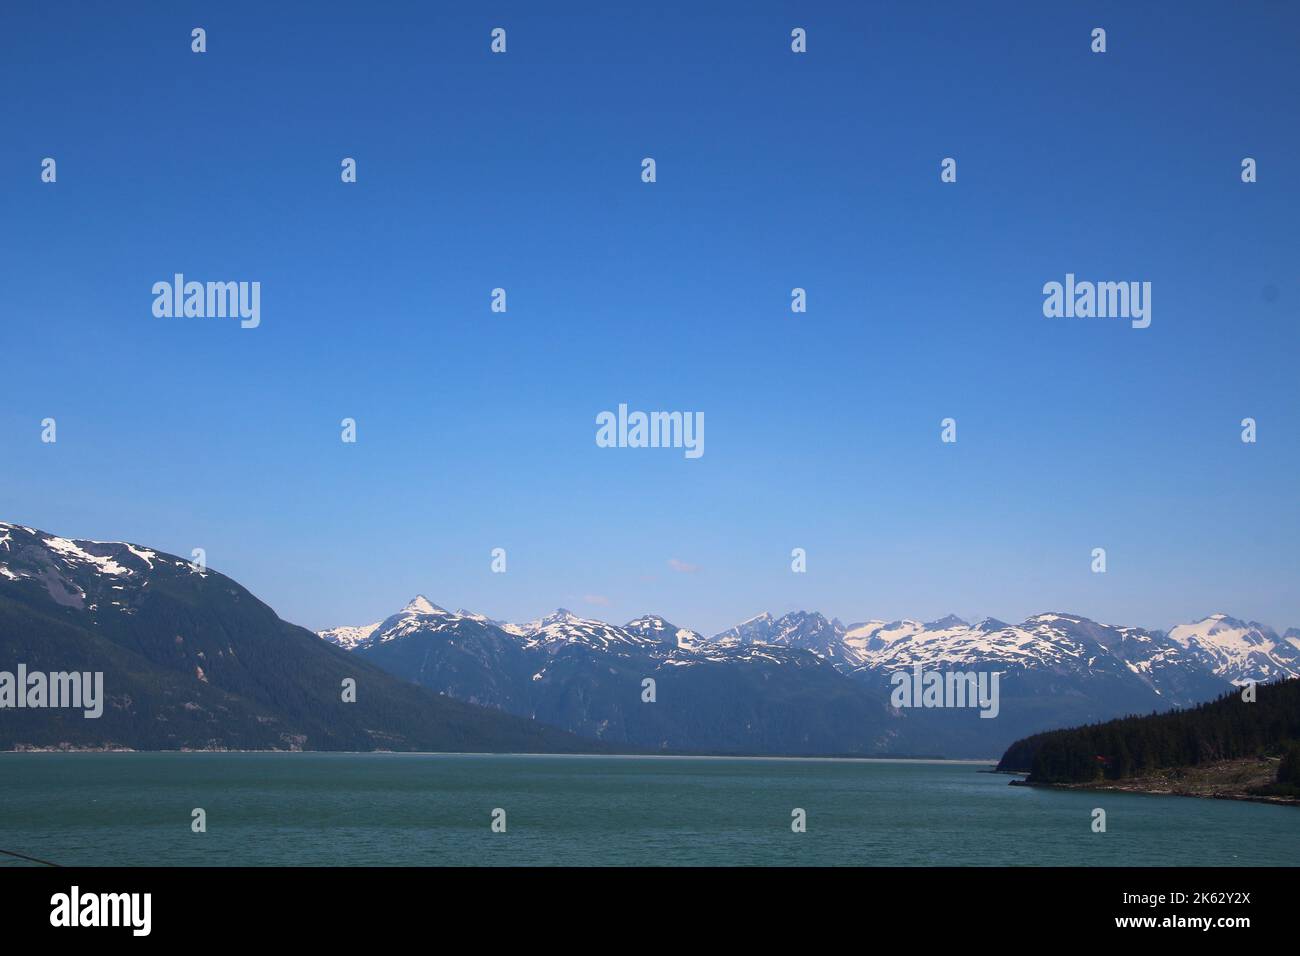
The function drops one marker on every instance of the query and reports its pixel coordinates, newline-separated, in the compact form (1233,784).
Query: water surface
(436,809)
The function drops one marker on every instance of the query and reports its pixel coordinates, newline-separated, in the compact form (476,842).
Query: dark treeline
(1220,730)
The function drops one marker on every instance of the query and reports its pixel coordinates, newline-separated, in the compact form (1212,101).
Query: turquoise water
(417,809)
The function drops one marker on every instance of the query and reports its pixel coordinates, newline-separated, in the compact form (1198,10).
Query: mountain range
(579,674)
(192,660)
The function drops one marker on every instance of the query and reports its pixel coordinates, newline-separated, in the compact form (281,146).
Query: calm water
(358,809)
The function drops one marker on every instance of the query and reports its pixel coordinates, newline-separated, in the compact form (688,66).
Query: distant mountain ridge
(1056,669)
(1217,646)
(589,676)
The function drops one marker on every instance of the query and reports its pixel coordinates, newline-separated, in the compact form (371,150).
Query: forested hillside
(1223,729)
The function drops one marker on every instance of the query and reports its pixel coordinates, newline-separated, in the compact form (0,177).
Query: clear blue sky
(775,170)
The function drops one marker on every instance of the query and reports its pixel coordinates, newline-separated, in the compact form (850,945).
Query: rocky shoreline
(1225,780)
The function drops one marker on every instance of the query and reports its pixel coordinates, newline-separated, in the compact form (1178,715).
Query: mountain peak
(421,605)
(1221,620)
(657,628)
(561,615)
(652,621)
(804,616)
(952,620)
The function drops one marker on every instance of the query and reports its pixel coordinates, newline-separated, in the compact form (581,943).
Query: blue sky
(775,170)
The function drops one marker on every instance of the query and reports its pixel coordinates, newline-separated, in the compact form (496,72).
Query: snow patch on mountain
(349,637)
(66,568)
(563,628)
(1239,651)
(658,629)
(72,552)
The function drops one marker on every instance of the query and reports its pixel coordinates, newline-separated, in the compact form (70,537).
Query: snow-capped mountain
(562,628)
(654,627)
(1238,650)
(101,577)
(419,612)
(1046,640)
(802,630)
(1217,647)
(756,630)
(349,637)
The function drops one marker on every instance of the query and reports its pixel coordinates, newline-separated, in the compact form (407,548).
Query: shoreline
(1143,787)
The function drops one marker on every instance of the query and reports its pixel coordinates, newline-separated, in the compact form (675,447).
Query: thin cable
(23,856)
